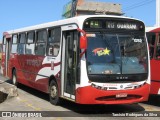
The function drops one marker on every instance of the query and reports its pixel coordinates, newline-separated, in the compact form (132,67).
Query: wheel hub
(14,80)
(53,91)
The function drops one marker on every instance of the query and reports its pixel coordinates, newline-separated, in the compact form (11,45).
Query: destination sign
(118,25)
(113,24)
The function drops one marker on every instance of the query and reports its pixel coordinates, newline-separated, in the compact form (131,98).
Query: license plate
(121,95)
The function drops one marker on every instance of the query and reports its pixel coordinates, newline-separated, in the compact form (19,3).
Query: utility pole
(73,9)
(157,13)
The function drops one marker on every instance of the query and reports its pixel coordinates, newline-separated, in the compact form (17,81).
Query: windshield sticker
(91,35)
(101,51)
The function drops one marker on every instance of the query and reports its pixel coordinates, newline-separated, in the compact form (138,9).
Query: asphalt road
(38,103)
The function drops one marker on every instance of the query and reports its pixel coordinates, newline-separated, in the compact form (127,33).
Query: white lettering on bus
(35,63)
(137,40)
(127,26)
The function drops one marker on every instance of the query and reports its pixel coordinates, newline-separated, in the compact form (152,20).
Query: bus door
(69,63)
(7,49)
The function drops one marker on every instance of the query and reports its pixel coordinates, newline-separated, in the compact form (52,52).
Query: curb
(7,91)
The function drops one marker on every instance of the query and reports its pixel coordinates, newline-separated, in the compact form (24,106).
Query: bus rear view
(116,65)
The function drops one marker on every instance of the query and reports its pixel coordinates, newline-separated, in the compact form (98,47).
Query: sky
(16,14)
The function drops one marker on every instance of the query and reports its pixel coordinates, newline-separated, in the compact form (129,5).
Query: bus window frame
(19,42)
(33,37)
(28,43)
(59,41)
(157,45)
(13,39)
(19,38)
(14,43)
(37,41)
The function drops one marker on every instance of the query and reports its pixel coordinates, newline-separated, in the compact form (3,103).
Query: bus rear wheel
(54,93)
(14,78)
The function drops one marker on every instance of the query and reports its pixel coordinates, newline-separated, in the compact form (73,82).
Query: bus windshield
(116,53)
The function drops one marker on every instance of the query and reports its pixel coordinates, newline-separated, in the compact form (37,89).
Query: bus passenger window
(53,44)
(14,43)
(30,43)
(21,44)
(40,43)
(158,48)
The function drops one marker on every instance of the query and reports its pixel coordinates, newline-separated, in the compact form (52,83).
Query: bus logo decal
(96,50)
(101,51)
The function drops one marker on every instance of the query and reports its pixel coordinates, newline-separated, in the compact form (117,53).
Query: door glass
(151,43)
(7,54)
(158,48)
(70,63)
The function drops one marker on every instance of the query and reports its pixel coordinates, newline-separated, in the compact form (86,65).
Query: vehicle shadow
(153,100)
(84,110)
(31,91)
(101,109)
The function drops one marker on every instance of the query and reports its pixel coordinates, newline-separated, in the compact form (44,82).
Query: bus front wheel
(54,93)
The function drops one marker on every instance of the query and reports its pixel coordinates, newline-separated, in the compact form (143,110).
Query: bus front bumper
(91,95)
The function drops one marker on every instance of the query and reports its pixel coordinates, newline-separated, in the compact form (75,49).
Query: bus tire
(54,93)
(14,78)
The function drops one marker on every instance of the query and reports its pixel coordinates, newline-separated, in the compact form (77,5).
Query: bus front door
(69,64)
(5,63)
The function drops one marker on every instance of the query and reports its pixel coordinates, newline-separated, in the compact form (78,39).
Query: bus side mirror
(83,42)
(83,39)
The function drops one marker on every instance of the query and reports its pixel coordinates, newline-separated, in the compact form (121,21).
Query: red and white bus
(96,59)
(153,36)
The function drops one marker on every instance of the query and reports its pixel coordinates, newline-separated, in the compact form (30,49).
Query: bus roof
(152,29)
(78,20)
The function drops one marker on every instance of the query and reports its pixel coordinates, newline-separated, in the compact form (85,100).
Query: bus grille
(113,98)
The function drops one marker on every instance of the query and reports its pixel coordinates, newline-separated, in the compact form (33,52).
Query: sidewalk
(7,91)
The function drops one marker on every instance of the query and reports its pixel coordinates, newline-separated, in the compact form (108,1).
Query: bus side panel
(12,64)
(27,69)
(16,64)
(155,76)
(32,65)
(21,71)
(155,87)
(155,70)
(49,70)
(42,85)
